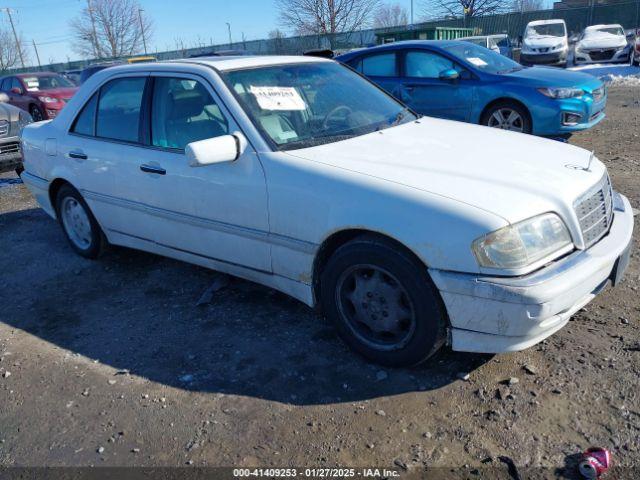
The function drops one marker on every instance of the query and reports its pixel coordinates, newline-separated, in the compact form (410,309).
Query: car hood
(66,92)
(555,77)
(543,41)
(602,40)
(512,175)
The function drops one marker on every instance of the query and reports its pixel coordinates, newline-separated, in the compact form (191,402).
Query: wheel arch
(499,100)
(341,237)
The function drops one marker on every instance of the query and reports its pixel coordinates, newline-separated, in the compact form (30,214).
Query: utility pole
(37,56)
(15,36)
(93,27)
(229,29)
(144,40)
(411,13)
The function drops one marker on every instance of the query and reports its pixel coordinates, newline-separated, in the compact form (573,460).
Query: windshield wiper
(400,116)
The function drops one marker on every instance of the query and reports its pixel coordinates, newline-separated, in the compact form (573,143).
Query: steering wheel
(335,110)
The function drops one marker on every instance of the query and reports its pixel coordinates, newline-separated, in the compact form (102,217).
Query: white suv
(297,173)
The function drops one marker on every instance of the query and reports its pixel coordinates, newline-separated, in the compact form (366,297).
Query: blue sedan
(462,81)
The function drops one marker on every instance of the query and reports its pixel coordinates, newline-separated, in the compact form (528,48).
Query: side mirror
(16,90)
(4,98)
(226,148)
(449,74)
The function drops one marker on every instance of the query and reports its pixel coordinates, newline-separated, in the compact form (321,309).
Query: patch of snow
(613,74)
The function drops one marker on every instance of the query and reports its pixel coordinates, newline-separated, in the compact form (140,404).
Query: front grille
(602,54)
(9,148)
(595,212)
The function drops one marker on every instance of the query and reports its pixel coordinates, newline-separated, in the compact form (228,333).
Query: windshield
(46,82)
(308,104)
(482,58)
(546,30)
(610,30)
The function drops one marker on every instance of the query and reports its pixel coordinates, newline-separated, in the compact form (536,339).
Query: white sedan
(603,44)
(295,172)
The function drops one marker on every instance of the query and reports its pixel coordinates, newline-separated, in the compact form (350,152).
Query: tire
(524,122)
(78,223)
(36,113)
(404,286)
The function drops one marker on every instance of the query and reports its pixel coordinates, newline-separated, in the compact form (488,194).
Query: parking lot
(113,362)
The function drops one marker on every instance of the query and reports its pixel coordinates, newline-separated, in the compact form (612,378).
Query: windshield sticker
(478,62)
(32,83)
(278,98)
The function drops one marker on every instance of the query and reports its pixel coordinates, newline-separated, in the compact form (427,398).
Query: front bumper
(10,152)
(555,58)
(505,314)
(549,114)
(611,55)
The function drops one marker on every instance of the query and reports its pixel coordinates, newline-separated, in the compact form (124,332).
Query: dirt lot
(111,362)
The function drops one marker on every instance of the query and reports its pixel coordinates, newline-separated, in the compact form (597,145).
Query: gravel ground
(112,363)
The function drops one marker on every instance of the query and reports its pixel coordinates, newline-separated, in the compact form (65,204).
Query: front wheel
(507,116)
(36,113)
(78,223)
(383,302)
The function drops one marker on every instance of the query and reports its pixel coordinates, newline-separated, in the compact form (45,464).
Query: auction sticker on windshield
(278,98)
(478,62)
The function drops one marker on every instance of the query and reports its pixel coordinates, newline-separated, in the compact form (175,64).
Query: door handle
(78,155)
(153,169)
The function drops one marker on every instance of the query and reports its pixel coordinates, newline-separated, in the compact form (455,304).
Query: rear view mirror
(4,98)
(226,148)
(449,74)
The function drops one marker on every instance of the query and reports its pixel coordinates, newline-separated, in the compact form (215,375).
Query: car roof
(248,61)
(545,22)
(597,27)
(402,44)
(478,37)
(35,74)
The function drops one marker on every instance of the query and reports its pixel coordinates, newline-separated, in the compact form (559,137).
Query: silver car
(12,119)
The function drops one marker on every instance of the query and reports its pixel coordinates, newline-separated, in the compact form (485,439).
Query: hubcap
(376,307)
(76,222)
(507,119)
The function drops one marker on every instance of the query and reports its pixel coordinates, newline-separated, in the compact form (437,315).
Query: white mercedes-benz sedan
(296,172)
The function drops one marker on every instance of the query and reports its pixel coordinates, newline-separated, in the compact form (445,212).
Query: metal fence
(624,12)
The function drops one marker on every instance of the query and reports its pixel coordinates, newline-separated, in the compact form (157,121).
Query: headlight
(4,128)
(561,92)
(24,119)
(523,243)
(526,48)
(46,99)
(558,46)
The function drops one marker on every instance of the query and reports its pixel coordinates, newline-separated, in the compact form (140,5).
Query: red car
(42,94)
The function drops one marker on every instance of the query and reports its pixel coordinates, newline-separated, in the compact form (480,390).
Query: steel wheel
(76,222)
(507,118)
(376,307)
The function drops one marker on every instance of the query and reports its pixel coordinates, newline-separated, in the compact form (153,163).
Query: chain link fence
(623,12)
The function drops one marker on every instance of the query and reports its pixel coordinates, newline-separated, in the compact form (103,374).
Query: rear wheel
(78,223)
(383,302)
(507,116)
(36,113)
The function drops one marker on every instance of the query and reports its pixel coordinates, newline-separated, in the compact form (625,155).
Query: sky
(47,23)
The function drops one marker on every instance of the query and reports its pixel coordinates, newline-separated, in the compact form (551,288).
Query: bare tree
(390,16)
(527,5)
(307,17)
(111,28)
(9,53)
(462,8)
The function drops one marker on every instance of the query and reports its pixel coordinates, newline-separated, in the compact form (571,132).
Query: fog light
(51,113)
(570,119)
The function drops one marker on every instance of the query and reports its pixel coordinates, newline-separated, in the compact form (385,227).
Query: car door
(381,68)
(217,211)
(17,94)
(426,91)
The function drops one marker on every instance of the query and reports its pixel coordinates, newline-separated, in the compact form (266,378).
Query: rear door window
(381,65)
(118,115)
